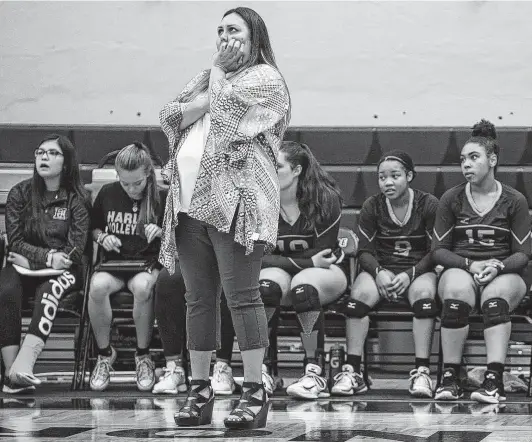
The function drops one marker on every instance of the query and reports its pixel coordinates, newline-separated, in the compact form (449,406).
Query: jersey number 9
(402,248)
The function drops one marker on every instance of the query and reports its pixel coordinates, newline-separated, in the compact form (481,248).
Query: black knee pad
(270,293)
(425,308)
(495,311)
(305,298)
(455,313)
(356,309)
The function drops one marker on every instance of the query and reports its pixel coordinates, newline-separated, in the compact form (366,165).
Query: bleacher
(349,154)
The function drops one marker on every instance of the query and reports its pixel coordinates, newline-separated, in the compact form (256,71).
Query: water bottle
(336,360)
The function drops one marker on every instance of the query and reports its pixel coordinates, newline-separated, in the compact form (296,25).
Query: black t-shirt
(113,212)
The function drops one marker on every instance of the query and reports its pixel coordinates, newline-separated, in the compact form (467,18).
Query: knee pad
(455,313)
(356,309)
(305,298)
(425,308)
(270,293)
(495,311)
(307,305)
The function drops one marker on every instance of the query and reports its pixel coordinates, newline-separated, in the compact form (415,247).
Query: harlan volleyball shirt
(114,213)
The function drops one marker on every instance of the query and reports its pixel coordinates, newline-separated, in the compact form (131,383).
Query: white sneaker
(145,369)
(311,386)
(222,379)
(267,381)
(101,375)
(348,383)
(420,382)
(172,381)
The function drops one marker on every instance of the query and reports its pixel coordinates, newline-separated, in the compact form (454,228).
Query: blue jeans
(211,260)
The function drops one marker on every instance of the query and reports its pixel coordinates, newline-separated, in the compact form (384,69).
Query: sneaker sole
(421,392)
(147,388)
(223,392)
(180,389)
(447,396)
(351,392)
(8,390)
(479,397)
(307,394)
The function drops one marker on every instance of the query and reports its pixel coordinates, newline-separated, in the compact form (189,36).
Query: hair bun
(484,128)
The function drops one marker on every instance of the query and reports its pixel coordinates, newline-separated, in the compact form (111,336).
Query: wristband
(101,236)
(467,264)
(377,270)
(49,257)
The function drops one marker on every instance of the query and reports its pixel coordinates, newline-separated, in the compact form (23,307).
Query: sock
(455,367)
(355,361)
(496,367)
(142,351)
(422,362)
(107,352)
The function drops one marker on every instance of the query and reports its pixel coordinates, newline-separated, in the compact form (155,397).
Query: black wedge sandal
(246,406)
(198,408)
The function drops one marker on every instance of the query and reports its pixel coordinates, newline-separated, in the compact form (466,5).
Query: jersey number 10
(479,235)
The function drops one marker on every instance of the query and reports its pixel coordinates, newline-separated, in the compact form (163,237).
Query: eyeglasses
(49,153)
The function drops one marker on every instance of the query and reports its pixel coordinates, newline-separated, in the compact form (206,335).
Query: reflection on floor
(145,417)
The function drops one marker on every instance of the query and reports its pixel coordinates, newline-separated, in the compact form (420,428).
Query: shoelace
(345,374)
(218,374)
(167,372)
(144,367)
(318,379)
(448,380)
(266,377)
(490,383)
(415,374)
(101,365)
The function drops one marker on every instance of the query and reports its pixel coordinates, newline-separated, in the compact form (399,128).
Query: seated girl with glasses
(47,221)
(126,221)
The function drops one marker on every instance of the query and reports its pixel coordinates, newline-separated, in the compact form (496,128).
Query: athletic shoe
(13,388)
(222,379)
(267,381)
(311,386)
(101,375)
(348,383)
(145,369)
(420,382)
(492,389)
(172,381)
(450,388)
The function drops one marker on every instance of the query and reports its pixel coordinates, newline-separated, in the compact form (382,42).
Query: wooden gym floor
(385,413)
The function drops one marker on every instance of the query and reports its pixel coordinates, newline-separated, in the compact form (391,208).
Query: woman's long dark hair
(261,48)
(317,193)
(70,181)
(133,157)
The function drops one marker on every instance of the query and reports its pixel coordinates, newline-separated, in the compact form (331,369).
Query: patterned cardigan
(249,115)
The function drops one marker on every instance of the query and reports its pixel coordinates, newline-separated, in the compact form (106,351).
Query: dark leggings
(47,291)
(170,311)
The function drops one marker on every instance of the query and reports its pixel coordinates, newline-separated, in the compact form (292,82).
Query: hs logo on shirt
(60,213)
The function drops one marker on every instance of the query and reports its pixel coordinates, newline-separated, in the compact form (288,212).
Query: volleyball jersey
(398,246)
(296,244)
(497,232)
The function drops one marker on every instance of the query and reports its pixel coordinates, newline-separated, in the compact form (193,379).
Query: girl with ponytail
(126,222)
(303,271)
